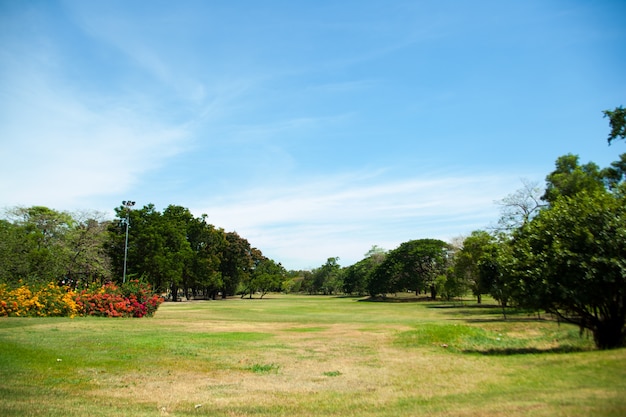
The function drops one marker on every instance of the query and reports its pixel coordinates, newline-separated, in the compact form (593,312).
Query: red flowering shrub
(134,299)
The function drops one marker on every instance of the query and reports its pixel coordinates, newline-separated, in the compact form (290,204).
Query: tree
(468,259)
(570,261)
(570,178)
(519,208)
(88,261)
(35,246)
(158,249)
(617,121)
(237,263)
(267,276)
(413,266)
(357,276)
(207,243)
(327,279)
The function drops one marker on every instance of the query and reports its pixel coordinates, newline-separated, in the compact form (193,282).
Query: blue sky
(313,129)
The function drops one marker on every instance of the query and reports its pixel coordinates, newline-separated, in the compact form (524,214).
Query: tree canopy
(617,122)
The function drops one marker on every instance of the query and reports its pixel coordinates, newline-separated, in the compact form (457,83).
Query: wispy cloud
(345,215)
(62,146)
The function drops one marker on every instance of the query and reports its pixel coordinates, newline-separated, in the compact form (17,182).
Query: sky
(313,129)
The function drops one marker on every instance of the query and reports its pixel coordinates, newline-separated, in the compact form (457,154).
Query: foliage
(40,245)
(267,276)
(570,178)
(413,266)
(327,279)
(617,121)
(570,261)
(467,261)
(356,277)
(176,251)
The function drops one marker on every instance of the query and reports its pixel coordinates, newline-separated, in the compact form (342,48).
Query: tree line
(172,250)
(559,248)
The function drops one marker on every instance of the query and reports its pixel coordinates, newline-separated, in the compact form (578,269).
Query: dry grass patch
(305,356)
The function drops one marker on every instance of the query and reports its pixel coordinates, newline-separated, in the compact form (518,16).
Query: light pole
(128,205)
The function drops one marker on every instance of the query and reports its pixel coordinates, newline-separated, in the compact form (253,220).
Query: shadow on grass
(471,313)
(524,351)
(412,299)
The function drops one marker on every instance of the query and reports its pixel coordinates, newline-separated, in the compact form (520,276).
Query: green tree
(356,277)
(570,261)
(85,242)
(35,246)
(617,121)
(237,263)
(207,243)
(570,178)
(467,262)
(327,279)
(413,266)
(267,276)
(158,249)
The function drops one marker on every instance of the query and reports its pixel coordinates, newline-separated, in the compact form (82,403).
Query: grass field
(307,356)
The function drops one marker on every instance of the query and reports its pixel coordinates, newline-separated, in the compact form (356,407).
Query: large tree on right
(571,261)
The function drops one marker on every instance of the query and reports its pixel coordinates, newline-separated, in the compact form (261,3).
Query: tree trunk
(610,334)
(479,299)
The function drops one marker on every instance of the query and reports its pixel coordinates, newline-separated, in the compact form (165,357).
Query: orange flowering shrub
(49,300)
(134,299)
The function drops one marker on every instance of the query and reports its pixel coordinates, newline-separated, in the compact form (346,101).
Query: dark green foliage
(356,278)
(327,279)
(570,178)
(176,251)
(413,266)
(617,121)
(570,260)
(41,245)
(476,249)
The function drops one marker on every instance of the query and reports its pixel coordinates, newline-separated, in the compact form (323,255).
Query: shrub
(134,299)
(49,300)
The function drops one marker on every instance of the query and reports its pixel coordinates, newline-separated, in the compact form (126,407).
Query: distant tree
(468,259)
(35,246)
(85,242)
(207,243)
(519,208)
(237,263)
(327,279)
(413,266)
(267,276)
(15,248)
(357,276)
(617,121)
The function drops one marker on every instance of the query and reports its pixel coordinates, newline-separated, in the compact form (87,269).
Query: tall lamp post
(128,205)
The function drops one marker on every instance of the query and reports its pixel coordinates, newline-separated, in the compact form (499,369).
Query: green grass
(307,356)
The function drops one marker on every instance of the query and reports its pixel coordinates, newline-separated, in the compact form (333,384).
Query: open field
(307,356)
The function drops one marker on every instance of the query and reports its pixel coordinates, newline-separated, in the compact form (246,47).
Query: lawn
(307,356)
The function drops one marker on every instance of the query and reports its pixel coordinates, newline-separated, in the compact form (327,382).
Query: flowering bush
(134,299)
(49,300)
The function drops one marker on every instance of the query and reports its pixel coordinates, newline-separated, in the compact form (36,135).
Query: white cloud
(60,146)
(345,215)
